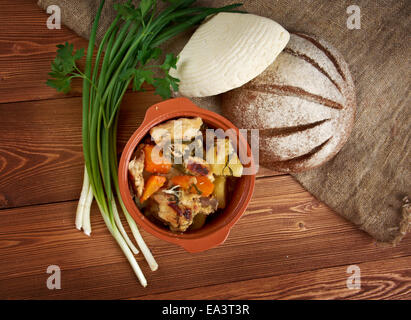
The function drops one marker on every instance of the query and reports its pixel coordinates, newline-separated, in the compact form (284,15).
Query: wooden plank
(41,157)
(27,48)
(385,279)
(284,230)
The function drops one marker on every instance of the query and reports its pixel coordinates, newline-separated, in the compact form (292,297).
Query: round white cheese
(226,52)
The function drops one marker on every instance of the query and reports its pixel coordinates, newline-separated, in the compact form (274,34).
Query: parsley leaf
(141,76)
(64,66)
(169,62)
(163,86)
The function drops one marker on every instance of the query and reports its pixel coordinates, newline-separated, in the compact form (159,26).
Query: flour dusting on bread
(303,104)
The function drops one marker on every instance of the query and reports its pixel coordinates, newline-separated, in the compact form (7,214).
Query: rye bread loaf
(303,105)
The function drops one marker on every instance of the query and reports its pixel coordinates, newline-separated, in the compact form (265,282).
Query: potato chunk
(220,191)
(224,160)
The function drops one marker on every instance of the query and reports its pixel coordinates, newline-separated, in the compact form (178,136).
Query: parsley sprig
(64,67)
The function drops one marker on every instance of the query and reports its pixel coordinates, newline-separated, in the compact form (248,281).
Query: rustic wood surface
(288,245)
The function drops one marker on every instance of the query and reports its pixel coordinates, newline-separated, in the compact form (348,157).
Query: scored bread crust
(303,105)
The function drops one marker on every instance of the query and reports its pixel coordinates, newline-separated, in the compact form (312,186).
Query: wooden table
(287,245)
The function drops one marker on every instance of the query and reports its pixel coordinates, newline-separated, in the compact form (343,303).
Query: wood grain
(27,48)
(385,279)
(284,230)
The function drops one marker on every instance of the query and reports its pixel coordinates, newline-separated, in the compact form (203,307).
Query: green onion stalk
(123,58)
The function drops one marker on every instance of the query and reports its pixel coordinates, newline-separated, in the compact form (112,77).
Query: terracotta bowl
(215,231)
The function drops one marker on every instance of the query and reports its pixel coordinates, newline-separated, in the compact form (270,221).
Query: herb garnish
(195,187)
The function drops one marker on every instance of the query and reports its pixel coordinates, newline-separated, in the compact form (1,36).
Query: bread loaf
(303,105)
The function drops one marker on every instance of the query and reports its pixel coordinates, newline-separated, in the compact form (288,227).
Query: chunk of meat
(176,216)
(198,167)
(196,203)
(182,150)
(182,129)
(135,169)
(178,212)
(178,150)
(209,204)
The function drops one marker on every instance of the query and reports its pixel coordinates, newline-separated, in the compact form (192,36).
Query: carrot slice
(153,184)
(203,186)
(198,184)
(183,181)
(154,161)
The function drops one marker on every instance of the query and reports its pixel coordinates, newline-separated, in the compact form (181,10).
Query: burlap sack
(369,181)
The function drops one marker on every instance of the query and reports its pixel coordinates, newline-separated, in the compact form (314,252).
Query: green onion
(125,51)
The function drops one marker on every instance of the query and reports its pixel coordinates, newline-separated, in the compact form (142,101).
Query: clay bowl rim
(202,239)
